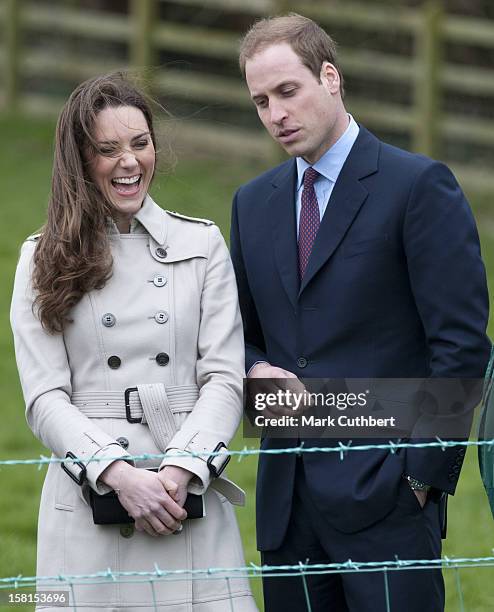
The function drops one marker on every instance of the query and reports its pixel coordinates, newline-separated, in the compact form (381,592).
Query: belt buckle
(128,413)
(82,474)
(221,460)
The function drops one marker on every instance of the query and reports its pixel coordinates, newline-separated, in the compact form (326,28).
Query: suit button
(108,319)
(302,362)
(161,253)
(127,531)
(114,362)
(159,280)
(124,443)
(162,359)
(161,316)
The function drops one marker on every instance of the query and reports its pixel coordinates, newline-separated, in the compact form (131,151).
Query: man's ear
(330,77)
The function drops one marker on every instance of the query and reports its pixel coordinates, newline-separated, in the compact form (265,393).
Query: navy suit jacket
(395,287)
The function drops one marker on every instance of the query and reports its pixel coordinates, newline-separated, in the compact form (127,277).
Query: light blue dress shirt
(329,167)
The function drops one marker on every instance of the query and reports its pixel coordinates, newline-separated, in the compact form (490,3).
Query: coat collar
(153,219)
(281,207)
(348,195)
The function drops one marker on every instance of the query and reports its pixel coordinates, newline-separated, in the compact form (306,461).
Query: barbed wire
(248,571)
(340,448)
(301,570)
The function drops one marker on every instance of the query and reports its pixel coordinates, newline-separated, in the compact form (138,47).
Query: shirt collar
(331,163)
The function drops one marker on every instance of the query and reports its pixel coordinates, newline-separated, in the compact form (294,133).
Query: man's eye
(261,103)
(141,144)
(288,92)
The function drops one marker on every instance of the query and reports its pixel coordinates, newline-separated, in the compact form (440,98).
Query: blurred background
(418,73)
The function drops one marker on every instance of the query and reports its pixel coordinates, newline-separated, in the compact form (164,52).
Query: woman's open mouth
(127,185)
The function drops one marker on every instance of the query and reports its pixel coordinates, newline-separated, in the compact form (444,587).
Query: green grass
(202,188)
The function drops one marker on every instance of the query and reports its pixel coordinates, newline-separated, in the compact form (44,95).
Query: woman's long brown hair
(72,256)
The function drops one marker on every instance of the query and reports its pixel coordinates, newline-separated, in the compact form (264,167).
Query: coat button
(162,359)
(161,253)
(161,316)
(302,362)
(124,443)
(159,280)
(108,319)
(127,531)
(114,362)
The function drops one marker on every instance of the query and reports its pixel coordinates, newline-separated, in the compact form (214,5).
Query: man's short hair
(308,40)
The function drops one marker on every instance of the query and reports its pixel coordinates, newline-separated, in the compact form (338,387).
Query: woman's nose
(128,160)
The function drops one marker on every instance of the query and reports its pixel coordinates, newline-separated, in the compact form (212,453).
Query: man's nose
(277,112)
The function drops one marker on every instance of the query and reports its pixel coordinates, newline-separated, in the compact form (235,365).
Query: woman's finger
(171,487)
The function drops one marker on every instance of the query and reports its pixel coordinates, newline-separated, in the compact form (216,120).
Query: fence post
(12,48)
(277,155)
(141,17)
(428,51)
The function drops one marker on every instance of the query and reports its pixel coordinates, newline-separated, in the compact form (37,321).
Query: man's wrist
(257,363)
(416,485)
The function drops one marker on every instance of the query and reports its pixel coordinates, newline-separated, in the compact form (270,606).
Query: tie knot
(310,176)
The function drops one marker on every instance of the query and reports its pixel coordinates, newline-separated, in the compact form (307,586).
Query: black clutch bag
(107,509)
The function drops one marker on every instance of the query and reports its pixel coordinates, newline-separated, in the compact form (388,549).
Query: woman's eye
(289,92)
(107,150)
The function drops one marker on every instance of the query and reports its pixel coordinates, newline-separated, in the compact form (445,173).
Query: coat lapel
(281,207)
(347,197)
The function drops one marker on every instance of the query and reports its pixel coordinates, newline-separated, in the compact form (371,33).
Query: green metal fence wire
(341,448)
(302,569)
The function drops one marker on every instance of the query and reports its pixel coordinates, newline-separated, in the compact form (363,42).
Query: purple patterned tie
(309,220)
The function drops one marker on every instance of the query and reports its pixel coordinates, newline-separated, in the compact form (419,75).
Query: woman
(128,341)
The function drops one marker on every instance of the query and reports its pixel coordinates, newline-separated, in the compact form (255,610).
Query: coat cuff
(98,445)
(200,442)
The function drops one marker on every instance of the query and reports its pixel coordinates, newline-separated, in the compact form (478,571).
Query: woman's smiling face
(122,164)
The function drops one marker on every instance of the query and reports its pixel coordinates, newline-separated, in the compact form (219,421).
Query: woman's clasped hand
(153,499)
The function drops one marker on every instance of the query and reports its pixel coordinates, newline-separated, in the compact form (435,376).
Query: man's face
(304,114)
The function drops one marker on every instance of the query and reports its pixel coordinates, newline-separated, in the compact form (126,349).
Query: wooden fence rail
(145,36)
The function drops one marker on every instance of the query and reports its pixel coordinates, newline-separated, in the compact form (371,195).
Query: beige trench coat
(168,315)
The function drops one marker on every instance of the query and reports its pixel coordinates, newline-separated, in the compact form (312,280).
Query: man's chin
(295,149)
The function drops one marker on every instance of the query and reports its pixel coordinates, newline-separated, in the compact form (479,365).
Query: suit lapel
(347,197)
(281,210)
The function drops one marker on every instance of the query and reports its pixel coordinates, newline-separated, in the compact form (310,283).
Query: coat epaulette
(187,218)
(34,237)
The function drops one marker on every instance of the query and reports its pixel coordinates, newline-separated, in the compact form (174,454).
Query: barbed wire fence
(251,571)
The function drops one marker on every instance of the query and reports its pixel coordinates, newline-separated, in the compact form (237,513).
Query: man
(353,259)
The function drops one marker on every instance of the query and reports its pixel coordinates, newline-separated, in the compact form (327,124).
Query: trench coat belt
(111,404)
(155,405)
(154,401)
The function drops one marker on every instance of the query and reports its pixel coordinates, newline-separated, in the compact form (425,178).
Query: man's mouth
(127,185)
(287,135)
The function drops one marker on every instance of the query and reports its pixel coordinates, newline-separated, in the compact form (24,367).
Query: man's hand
(266,370)
(268,379)
(421,496)
(144,496)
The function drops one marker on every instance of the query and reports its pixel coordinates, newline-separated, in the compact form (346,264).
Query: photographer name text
(342,420)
